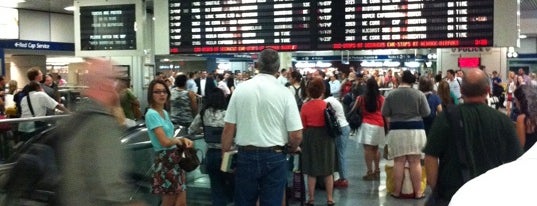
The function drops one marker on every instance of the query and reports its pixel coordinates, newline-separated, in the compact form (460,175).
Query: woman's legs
(168,200)
(311,187)
(372,159)
(398,173)
(376,159)
(368,156)
(329,183)
(415,174)
(181,199)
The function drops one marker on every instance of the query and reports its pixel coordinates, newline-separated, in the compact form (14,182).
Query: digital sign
(297,25)
(469,62)
(108,27)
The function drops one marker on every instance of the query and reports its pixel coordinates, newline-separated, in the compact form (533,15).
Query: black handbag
(189,159)
(334,129)
(355,117)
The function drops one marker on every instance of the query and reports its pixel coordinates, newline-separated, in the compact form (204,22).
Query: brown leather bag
(189,159)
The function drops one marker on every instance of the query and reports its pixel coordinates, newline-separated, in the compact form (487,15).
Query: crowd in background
(386,122)
(405,133)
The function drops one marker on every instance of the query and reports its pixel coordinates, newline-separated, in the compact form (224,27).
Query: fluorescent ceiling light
(522,36)
(69,8)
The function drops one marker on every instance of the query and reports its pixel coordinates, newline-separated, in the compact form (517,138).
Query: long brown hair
(443,92)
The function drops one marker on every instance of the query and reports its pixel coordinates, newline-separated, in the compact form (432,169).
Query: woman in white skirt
(404,108)
(371,132)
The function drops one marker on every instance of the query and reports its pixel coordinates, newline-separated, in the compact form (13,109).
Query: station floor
(359,192)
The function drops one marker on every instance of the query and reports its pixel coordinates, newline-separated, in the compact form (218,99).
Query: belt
(262,149)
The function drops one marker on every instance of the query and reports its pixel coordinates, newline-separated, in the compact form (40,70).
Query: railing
(33,119)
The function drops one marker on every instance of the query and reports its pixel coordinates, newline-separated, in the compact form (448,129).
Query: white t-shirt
(282,80)
(202,86)
(40,103)
(264,111)
(338,107)
(223,86)
(509,184)
(455,87)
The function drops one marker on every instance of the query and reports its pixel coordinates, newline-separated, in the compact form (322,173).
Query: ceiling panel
(56,6)
(528,5)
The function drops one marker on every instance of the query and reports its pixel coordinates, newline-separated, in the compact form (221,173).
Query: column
(21,63)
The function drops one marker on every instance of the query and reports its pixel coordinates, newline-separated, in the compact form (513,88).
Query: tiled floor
(358,193)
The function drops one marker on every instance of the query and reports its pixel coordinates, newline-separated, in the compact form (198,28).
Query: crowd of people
(446,125)
(414,135)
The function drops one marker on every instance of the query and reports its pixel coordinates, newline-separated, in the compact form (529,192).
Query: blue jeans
(341,145)
(260,175)
(222,183)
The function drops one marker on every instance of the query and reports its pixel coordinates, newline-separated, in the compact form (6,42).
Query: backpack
(298,100)
(17,98)
(211,134)
(35,175)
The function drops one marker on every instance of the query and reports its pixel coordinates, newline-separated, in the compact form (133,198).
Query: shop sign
(470,49)
(36,45)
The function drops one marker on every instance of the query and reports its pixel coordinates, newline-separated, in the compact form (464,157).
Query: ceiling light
(69,8)
(522,36)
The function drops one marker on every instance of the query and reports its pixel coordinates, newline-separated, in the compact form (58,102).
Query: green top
(127,98)
(490,138)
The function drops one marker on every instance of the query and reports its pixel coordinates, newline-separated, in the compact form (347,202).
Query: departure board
(108,27)
(298,25)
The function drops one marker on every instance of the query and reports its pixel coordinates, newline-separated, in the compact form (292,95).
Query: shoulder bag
(334,129)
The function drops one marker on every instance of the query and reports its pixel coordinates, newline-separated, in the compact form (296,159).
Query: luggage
(298,189)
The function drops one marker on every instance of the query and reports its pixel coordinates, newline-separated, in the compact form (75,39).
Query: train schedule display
(197,26)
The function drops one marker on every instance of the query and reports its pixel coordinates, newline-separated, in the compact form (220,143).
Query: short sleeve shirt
(492,141)
(154,120)
(40,103)
(264,111)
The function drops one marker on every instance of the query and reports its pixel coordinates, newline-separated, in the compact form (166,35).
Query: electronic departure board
(297,25)
(108,27)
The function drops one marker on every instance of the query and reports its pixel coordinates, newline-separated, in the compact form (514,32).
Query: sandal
(310,203)
(330,203)
(419,197)
(395,196)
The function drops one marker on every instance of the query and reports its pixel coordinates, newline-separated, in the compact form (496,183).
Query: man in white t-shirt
(454,84)
(263,120)
(40,102)
(509,184)
(283,77)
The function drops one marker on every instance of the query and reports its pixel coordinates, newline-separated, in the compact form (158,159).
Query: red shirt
(374,118)
(312,113)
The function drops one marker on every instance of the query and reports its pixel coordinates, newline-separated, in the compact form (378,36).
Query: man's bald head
(475,83)
(100,81)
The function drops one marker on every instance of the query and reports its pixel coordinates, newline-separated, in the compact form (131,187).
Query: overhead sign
(295,25)
(110,27)
(36,45)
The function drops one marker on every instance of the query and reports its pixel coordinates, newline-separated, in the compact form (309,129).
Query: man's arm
(227,136)
(295,138)
(431,163)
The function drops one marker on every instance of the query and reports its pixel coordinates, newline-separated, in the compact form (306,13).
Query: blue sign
(36,45)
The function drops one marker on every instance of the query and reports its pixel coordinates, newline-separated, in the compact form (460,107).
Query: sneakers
(341,183)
